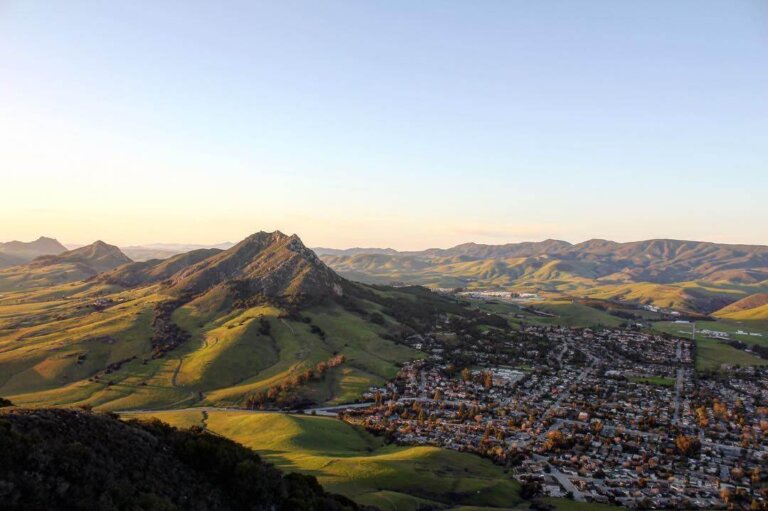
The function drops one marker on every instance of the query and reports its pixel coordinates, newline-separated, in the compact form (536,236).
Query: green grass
(660,381)
(712,353)
(350,461)
(574,314)
(52,344)
(722,325)
(567,313)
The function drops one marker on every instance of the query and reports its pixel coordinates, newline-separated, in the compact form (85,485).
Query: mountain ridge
(709,275)
(98,257)
(20,252)
(69,266)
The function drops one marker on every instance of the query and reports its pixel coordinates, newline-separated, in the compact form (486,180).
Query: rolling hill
(352,462)
(19,252)
(73,460)
(688,275)
(66,267)
(749,308)
(209,327)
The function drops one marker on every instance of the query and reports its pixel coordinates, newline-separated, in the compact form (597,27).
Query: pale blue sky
(392,123)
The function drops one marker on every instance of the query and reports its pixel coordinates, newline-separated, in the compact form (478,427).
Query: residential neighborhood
(597,415)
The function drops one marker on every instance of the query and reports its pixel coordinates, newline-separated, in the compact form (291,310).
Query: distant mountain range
(321,251)
(64,267)
(660,261)
(20,252)
(692,276)
(689,275)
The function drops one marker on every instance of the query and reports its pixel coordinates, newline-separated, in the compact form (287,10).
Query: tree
(377,318)
(487,380)
(688,445)
(555,440)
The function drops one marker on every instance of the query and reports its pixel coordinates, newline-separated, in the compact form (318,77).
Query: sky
(384,123)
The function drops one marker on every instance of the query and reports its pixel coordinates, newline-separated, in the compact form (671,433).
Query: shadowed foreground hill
(350,461)
(63,459)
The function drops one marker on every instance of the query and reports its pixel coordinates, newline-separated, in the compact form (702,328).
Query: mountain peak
(98,256)
(268,264)
(23,252)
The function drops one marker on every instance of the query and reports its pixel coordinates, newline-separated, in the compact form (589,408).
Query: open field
(712,353)
(566,312)
(660,381)
(350,461)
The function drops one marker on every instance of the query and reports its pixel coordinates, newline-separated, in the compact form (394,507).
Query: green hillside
(70,266)
(354,463)
(65,351)
(69,460)
(754,307)
(209,328)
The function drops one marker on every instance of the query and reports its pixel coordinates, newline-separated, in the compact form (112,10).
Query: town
(597,415)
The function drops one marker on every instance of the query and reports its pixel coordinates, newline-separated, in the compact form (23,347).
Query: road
(563,480)
(678,391)
(328,411)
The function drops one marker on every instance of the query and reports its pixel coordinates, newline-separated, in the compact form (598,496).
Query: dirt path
(176,372)
(288,325)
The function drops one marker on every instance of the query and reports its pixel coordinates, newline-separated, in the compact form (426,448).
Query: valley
(500,393)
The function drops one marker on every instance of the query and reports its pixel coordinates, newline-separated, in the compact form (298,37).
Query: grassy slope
(44,334)
(753,307)
(756,313)
(352,462)
(25,277)
(567,313)
(711,354)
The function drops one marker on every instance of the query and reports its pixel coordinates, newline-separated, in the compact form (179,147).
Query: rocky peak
(272,265)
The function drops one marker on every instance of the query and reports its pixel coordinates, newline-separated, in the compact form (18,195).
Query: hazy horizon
(398,125)
(383,246)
